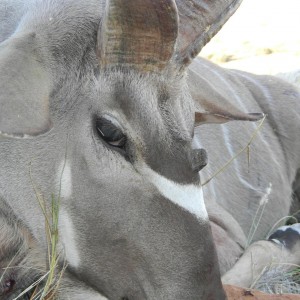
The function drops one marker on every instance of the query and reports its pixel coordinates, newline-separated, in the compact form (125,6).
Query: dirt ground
(262,37)
(236,293)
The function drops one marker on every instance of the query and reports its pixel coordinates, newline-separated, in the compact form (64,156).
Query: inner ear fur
(24,87)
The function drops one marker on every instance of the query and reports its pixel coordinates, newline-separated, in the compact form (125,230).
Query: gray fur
(130,240)
(274,157)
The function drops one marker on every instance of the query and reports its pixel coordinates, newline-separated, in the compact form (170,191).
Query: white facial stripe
(189,197)
(67,238)
(79,295)
(295,227)
(64,176)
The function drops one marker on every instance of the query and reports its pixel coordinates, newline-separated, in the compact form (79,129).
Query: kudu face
(132,221)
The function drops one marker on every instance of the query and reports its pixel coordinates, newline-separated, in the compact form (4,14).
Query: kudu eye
(9,285)
(110,133)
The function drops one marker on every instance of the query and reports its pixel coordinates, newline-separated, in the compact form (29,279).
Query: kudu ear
(140,34)
(214,113)
(212,106)
(24,88)
(199,21)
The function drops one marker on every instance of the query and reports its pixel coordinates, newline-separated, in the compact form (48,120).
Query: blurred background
(262,37)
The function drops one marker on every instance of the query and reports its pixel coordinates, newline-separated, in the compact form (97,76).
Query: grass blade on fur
(53,242)
(9,264)
(36,283)
(258,215)
(246,148)
(51,224)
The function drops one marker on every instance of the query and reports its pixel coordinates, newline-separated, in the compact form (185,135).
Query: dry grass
(278,279)
(50,280)
(45,288)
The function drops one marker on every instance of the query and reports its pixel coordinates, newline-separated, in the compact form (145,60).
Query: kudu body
(99,101)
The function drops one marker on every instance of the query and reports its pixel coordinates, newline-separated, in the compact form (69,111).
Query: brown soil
(237,293)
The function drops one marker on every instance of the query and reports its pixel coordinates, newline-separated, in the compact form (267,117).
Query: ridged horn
(199,21)
(139,34)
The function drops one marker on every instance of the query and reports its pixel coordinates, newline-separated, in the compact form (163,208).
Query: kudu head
(132,222)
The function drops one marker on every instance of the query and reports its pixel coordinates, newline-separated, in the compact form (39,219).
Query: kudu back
(99,101)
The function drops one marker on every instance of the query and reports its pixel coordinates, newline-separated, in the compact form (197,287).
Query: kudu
(99,101)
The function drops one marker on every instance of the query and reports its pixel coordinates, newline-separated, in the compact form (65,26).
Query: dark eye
(110,133)
(9,285)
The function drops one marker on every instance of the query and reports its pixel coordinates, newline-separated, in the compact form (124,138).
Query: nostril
(198,159)
(125,298)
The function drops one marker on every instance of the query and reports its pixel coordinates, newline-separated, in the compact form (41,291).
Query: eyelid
(113,120)
(115,144)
